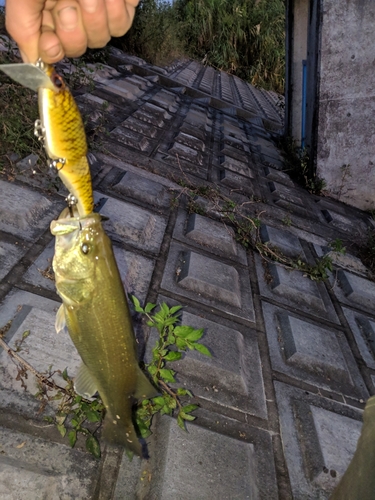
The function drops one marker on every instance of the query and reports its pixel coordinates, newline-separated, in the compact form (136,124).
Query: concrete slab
(33,468)
(311,352)
(319,439)
(218,285)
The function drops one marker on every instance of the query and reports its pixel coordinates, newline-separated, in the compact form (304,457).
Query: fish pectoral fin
(84,384)
(144,388)
(60,322)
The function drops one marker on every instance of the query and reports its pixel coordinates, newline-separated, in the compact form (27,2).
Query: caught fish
(96,314)
(60,127)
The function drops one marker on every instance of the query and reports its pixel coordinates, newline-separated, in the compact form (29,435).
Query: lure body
(61,129)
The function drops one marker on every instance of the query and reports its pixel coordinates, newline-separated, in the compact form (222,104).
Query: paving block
(285,193)
(363,328)
(294,290)
(335,215)
(347,261)
(232,377)
(143,189)
(42,348)
(236,181)
(286,241)
(27,219)
(186,153)
(190,141)
(355,291)
(132,225)
(319,440)
(275,175)
(201,464)
(236,166)
(123,89)
(218,285)
(167,100)
(311,352)
(10,254)
(140,127)
(155,115)
(40,273)
(206,233)
(33,468)
(133,139)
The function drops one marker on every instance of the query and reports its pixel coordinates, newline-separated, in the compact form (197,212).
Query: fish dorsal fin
(60,322)
(84,384)
(144,389)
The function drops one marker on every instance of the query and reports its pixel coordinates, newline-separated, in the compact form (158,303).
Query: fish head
(78,247)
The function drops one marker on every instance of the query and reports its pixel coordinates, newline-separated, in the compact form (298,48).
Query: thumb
(23,21)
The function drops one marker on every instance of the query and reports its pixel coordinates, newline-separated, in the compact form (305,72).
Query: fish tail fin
(121,433)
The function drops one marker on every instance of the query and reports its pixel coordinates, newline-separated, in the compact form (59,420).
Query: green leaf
(202,349)
(174,309)
(137,305)
(74,422)
(152,369)
(181,423)
(149,307)
(150,323)
(159,400)
(183,392)
(189,408)
(61,429)
(93,446)
(171,339)
(65,374)
(172,356)
(183,331)
(60,418)
(167,375)
(186,417)
(72,436)
(92,416)
(181,344)
(164,308)
(50,420)
(195,335)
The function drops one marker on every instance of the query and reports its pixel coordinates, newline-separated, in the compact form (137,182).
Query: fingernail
(89,6)
(68,18)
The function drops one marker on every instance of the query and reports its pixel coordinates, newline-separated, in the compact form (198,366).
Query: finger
(120,15)
(94,17)
(69,28)
(50,48)
(23,22)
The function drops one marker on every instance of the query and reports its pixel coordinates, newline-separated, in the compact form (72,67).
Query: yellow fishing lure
(61,129)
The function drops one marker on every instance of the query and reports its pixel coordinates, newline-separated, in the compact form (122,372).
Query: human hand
(52,29)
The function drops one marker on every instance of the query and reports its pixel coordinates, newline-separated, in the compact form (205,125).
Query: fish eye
(57,80)
(85,248)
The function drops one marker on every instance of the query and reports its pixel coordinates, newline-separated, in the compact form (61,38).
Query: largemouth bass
(96,313)
(60,127)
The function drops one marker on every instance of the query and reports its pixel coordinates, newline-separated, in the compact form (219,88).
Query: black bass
(60,127)
(96,314)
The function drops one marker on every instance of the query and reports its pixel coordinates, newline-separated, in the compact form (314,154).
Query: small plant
(287,221)
(173,340)
(298,165)
(76,415)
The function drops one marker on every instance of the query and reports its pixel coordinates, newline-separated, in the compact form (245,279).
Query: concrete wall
(345,154)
